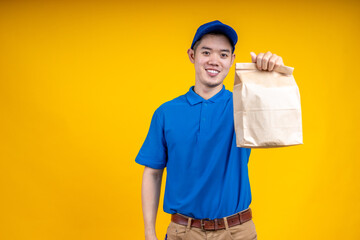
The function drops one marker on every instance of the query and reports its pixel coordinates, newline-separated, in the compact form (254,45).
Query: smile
(212,72)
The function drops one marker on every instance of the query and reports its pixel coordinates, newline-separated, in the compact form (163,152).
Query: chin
(213,84)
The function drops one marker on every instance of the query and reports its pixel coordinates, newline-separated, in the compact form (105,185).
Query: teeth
(213,71)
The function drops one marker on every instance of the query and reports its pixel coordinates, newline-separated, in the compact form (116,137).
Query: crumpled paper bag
(267,109)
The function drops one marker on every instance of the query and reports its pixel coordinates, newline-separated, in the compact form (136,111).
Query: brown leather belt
(216,224)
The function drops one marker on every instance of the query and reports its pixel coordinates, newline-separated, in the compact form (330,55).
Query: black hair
(197,43)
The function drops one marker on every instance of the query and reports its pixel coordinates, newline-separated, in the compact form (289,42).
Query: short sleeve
(153,152)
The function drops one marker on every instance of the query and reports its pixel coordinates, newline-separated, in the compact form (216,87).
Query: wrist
(150,233)
(151,236)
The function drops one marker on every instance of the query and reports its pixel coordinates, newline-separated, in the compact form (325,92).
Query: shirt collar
(194,98)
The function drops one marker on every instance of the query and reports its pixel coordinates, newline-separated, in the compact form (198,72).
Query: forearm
(150,194)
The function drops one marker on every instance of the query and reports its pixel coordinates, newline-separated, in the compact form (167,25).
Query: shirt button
(205,104)
(204,119)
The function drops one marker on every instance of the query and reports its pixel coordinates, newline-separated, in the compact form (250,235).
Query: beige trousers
(245,231)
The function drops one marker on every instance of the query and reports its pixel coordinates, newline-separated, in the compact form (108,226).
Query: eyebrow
(222,50)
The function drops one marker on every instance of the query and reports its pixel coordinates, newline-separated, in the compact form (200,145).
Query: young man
(207,186)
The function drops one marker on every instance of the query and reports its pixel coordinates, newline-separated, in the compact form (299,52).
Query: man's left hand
(266,61)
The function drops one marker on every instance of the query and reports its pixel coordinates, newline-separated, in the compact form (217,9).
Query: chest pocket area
(182,134)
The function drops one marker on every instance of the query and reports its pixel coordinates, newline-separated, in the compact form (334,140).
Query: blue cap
(216,26)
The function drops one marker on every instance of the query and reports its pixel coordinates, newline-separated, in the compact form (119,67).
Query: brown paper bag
(267,110)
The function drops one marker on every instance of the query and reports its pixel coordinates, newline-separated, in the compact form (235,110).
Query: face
(212,60)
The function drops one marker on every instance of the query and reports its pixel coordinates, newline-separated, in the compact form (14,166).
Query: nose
(213,60)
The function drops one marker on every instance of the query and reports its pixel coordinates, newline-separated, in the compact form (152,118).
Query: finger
(258,60)
(278,63)
(281,60)
(272,61)
(253,57)
(265,60)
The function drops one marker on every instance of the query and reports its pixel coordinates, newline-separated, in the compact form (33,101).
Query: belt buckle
(202,223)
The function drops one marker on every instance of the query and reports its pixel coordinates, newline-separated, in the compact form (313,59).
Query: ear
(232,59)
(191,55)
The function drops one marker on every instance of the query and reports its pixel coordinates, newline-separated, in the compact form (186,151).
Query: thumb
(253,57)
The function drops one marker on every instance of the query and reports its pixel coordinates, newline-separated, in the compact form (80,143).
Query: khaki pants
(245,231)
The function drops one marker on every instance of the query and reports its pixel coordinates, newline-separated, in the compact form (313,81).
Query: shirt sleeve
(153,152)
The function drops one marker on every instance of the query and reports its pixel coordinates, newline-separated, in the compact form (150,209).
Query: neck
(207,92)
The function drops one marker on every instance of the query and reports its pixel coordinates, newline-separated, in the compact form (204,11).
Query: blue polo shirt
(194,138)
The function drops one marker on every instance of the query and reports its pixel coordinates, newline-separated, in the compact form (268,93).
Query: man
(207,186)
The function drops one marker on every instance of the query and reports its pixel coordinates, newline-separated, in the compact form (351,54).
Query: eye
(224,55)
(206,53)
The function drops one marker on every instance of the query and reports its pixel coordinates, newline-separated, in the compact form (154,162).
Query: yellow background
(79,82)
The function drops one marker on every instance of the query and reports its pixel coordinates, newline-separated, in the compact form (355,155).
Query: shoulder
(228,93)
(171,105)
(228,96)
(169,109)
